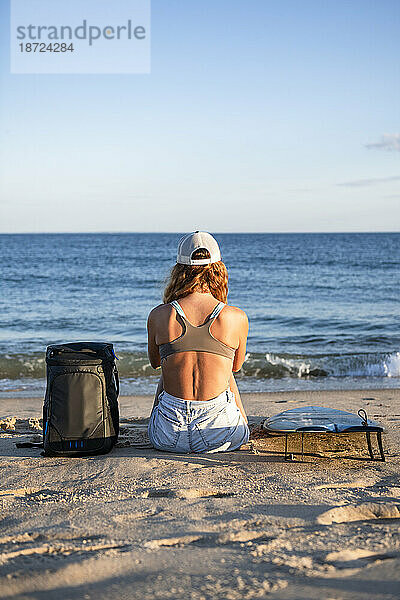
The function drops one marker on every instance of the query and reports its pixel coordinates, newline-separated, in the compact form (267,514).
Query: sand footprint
(13,425)
(134,516)
(34,495)
(356,557)
(64,549)
(356,483)
(209,539)
(18,492)
(185,493)
(360,512)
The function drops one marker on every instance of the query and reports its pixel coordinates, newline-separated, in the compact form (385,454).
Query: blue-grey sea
(323,308)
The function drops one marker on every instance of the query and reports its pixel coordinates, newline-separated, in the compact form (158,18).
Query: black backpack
(80,412)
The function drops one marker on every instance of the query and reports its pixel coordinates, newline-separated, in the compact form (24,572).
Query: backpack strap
(116,377)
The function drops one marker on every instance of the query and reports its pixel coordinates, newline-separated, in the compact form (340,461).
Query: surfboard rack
(290,455)
(317,419)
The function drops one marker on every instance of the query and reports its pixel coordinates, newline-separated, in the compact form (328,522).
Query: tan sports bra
(196,339)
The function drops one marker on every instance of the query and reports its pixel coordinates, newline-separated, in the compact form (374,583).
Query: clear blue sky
(258,115)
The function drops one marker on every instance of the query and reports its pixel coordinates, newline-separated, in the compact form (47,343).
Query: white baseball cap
(194,241)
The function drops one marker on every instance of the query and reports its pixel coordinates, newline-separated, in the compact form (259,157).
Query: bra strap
(212,317)
(178,309)
(216,311)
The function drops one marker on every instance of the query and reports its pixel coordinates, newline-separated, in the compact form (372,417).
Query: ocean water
(323,308)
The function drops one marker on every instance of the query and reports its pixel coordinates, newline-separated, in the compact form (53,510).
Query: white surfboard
(319,418)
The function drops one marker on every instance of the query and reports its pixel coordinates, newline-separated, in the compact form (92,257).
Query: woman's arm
(153,354)
(234,388)
(238,360)
(240,353)
(160,388)
(152,348)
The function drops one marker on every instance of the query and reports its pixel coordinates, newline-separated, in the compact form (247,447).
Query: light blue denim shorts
(216,425)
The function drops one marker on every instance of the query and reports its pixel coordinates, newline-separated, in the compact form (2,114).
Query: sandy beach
(138,523)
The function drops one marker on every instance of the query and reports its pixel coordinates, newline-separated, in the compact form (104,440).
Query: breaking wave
(257,365)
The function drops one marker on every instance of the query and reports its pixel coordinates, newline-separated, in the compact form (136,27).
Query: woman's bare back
(198,375)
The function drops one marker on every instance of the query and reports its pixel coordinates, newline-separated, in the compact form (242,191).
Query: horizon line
(182,231)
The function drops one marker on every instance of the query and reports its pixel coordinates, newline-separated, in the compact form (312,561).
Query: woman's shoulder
(160,311)
(160,308)
(234,312)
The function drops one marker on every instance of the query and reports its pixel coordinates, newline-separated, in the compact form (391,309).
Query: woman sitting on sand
(199,342)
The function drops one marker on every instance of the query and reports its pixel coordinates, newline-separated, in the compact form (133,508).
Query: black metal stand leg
(371,453)
(380,446)
(286,445)
(302,445)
